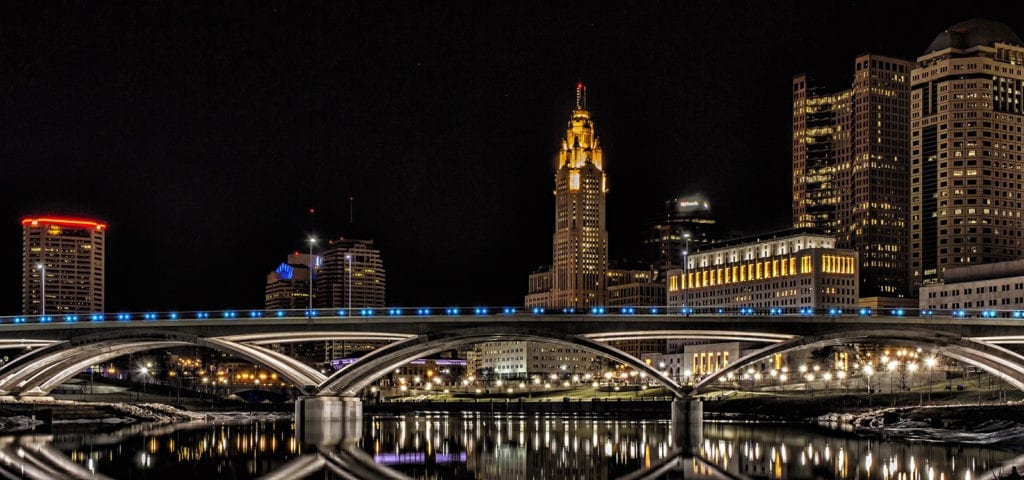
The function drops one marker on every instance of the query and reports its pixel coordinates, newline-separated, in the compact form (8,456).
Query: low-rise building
(523,359)
(698,361)
(992,286)
(792,269)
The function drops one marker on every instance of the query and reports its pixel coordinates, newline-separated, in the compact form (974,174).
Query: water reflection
(761,451)
(482,446)
(487,447)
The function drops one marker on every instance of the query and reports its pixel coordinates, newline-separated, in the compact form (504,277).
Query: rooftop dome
(974,32)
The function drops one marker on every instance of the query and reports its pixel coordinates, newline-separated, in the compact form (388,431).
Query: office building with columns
(789,270)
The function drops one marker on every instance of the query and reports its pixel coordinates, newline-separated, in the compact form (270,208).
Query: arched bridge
(65,345)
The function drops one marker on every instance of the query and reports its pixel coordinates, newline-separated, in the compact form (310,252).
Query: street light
(930,363)
(145,373)
(868,371)
(686,272)
(42,290)
(912,368)
(312,241)
(348,259)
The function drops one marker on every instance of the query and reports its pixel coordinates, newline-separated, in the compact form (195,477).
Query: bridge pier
(328,420)
(687,424)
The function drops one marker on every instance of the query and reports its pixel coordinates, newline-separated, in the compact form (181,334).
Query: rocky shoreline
(968,424)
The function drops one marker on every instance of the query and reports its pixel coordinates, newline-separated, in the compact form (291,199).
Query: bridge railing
(645,311)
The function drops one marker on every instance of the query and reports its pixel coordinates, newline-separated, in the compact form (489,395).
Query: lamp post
(145,373)
(891,367)
(930,363)
(868,371)
(686,272)
(42,289)
(348,259)
(911,370)
(312,242)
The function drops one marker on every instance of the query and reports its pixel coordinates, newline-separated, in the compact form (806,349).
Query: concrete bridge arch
(42,370)
(349,381)
(994,359)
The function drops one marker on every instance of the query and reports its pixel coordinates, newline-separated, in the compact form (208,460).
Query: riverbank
(653,408)
(969,424)
(949,421)
(34,415)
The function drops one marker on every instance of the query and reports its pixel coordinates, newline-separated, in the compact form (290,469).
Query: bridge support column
(687,424)
(328,420)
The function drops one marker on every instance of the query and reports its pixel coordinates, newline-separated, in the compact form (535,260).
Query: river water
(468,446)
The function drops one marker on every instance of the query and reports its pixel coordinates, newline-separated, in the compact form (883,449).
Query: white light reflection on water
(527,446)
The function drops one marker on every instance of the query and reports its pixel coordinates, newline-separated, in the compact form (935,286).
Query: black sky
(203,134)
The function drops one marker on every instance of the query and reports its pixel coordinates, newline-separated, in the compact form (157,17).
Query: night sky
(203,135)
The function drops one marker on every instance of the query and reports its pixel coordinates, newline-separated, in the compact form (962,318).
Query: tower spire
(581,96)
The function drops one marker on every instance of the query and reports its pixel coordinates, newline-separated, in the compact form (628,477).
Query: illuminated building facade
(580,242)
(683,221)
(71,252)
(967,104)
(287,286)
(351,275)
(851,168)
(790,269)
(539,290)
(699,360)
(522,360)
(634,288)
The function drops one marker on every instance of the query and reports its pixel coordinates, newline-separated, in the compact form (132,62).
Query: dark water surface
(469,446)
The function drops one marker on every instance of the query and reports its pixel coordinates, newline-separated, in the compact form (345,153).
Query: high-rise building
(580,242)
(851,171)
(351,275)
(684,222)
(288,285)
(62,265)
(346,274)
(967,112)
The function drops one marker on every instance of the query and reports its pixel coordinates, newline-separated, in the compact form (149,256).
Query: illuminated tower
(850,168)
(351,275)
(62,257)
(967,105)
(580,244)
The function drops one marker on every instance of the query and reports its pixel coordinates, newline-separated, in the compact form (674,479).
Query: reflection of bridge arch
(38,372)
(349,381)
(994,359)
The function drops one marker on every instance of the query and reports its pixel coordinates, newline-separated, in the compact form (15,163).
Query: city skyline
(204,137)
